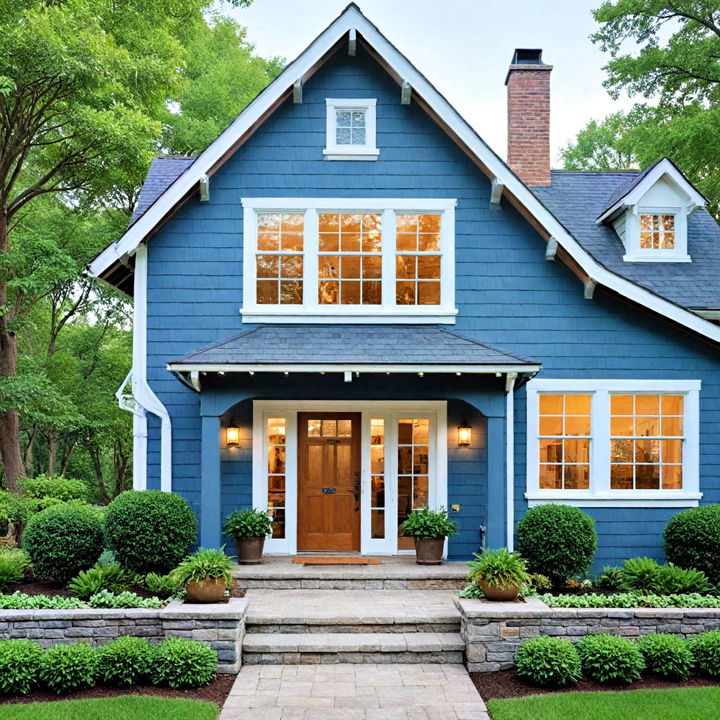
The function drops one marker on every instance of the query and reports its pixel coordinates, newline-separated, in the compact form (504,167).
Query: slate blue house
(348,283)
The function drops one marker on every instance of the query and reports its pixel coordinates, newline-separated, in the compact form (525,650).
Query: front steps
(332,626)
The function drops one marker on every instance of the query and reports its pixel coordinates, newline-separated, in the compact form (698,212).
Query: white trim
(632,236)
(391,412)
(510,460)
(367,151)
(352,18)
(386,312)
(600,494)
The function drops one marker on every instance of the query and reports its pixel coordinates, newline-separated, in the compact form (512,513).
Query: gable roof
(110,261)
(164,170)
(576,198)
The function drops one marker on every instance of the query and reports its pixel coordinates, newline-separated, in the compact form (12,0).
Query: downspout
(141,391)
(510,459)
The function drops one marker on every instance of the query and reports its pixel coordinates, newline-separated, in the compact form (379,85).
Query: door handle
(356,490)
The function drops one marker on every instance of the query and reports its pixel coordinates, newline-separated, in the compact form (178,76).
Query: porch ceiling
(352,348)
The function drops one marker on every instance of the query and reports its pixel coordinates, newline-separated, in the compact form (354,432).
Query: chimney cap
(527,56)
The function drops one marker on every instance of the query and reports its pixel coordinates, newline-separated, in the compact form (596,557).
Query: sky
(464,47)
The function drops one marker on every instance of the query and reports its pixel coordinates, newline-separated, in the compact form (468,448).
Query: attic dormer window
(657,232)
(350,129)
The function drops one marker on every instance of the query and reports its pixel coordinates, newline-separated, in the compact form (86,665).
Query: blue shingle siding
(507,296)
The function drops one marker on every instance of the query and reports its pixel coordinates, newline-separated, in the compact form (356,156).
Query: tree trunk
(10,454)
(28,453)
(66,459)
(52,453)
(95,455)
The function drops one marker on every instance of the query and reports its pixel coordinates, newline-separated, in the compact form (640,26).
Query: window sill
(348,315)
(638,499)
(351,154)
(680,258)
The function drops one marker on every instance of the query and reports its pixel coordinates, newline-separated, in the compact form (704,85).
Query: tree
(677,71)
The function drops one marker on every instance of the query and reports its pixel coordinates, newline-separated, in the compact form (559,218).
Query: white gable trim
(350,19)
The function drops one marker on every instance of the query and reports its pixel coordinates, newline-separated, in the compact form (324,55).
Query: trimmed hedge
(181,663)
(19,666)
(706,652)
(667,656)
(610,658)
(558,541)
(692,540)
(63,540)
(64,668)
(548,661)
(125,661)
(149,530)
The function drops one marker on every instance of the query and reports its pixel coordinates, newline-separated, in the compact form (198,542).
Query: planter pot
(210,590)
(493,592)
(428,551)
(249,550)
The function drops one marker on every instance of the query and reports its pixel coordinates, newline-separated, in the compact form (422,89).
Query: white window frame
(600,494)
(311,311)
(632,234)
(369,150)
(391,412)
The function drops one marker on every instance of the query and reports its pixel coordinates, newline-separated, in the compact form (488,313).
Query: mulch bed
(506,684)
(215,692)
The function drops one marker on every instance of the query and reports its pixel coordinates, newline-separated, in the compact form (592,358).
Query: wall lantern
(232,434)
(464,434)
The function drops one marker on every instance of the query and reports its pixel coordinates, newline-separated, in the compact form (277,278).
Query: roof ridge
(485,345)
(220,343)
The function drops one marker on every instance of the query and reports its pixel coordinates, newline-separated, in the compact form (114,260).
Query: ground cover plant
(630,600)
(103,599)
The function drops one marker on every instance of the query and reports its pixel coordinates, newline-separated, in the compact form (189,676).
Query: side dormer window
(657,232)
(350,130)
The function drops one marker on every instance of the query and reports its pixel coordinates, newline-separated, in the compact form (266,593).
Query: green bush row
(176,663)
(102,599)
(631,600)
(551,661)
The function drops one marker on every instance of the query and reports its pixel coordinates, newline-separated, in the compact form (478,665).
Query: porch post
(210,521)
(496,482)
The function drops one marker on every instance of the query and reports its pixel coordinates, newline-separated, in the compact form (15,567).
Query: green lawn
(683,704)
(128,707)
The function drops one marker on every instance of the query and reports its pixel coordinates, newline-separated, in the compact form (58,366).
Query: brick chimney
(528,97)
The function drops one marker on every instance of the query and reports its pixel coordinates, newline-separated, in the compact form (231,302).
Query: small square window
(350,130)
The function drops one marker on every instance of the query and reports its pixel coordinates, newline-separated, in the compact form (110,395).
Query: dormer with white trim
(650,213)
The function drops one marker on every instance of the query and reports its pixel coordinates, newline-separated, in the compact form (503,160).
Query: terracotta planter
(493,592)
(428,551)
(249,550)
(210,590)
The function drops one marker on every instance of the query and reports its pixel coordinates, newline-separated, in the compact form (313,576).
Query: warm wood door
(328,481)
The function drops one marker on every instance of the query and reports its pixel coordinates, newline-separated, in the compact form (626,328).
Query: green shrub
(499,568)
(539,582)
(610,577)
(149,530)
(557,540)
(204,564)
(248,523)
(125,661)
(13,563)
(671,579)
(610,658)
(63,540)
(13,510)
(113,578)
(179,662)
(705,649)
(692,540)
(164,586)
(106,599)
(19,666)
(548,661)
(64,668)
(667,656)
(59,488)
(639,574)
(427,522)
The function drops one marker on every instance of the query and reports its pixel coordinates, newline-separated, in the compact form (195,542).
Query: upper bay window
(358,260)
(350,129)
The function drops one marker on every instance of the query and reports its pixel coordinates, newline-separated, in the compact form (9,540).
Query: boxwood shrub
(182,663)
(63,540)
(705,649)
(557,540)
(125,661)
(19,666)
(692,540)
(64,668)
(548,661)
(667,656)
(149,530)
(610,658)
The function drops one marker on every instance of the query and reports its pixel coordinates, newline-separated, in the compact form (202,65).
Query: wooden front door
(328,482)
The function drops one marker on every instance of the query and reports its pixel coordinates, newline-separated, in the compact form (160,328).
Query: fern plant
(113,578)
(428,523)
(205,564)
(500,568)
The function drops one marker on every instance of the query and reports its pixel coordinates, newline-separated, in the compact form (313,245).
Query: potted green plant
(249,527)
(206,574)
(429,528)
(499,574)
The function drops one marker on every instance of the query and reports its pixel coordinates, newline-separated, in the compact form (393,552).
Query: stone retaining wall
(221,626)
(493,631)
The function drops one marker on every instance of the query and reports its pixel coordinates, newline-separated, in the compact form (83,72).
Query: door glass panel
(276,474)
(413,470)
(377,478)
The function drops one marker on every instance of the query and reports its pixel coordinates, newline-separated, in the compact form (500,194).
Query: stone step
(328,647)
(364,625)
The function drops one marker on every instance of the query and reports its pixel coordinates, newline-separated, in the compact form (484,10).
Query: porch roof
(361,348)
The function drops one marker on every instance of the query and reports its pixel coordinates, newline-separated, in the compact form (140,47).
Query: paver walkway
(354,692)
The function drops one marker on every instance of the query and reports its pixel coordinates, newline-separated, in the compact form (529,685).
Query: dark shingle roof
(625,187)
(351,344)
(163,171)
(578,198)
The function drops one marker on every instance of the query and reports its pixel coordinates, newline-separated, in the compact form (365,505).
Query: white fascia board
(353,18)
(351,367)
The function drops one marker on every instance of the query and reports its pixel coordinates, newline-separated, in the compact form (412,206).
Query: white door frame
(391,412)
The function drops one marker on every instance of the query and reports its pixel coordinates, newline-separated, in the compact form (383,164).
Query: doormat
(334,560)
